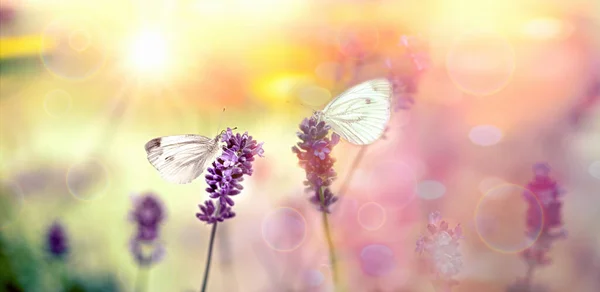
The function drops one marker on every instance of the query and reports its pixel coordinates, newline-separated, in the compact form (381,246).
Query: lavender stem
(332,258)
(141,279)
(209,257)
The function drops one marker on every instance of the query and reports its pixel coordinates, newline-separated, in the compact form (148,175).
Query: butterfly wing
(181,159)
(360,114)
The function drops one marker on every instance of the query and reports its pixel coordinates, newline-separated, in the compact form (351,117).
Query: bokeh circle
(371,216)
(57,103)
(485,135)
(480,63)
(314,278)
(87,180)
(501,219)
(377,260)
(284,229)
(430,189)
(11,202)
(72,48)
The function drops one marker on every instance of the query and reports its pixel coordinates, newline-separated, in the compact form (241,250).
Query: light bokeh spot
(480,63)
(377,260)
(500,219)
(371,216)
(314,278)
(485,135)
(430,189)
(594,169)
(284,229)
(72,48)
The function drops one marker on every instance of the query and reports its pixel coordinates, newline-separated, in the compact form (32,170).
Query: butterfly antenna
(221,120)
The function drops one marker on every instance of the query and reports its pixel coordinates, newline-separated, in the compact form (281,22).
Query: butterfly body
(360,114)
(181,159)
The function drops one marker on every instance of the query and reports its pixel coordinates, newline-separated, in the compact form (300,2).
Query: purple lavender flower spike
(148,213)
(56,240)
(313,153)
(226,173)
(440,247)
(544,223)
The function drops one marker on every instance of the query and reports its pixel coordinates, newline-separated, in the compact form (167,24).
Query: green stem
(332,258)
(209,257)
(141,279)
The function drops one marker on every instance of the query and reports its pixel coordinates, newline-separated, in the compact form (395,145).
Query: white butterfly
(360,114)
(181,159)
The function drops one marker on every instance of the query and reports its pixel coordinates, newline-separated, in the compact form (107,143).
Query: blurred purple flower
(544,217)
(225,175)
(440,247)
(544,222)
(313,153)
(56,240)
(404,86)
(148,213)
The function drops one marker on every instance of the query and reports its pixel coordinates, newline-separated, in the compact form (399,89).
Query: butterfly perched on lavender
(181,159)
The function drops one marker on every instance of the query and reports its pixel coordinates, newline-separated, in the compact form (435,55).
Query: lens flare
(430,189)
(78,52)
(11,203)
(480,63)
(377,260)
(371,216)
(485,135)
(284,229)
(87,180)
(500,219)
(490,183)
(57,103)
(149,52)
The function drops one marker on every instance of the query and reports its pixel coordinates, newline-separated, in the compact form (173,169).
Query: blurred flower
(148,213)
(440,247)
(226,174)
(404,85)
(313,152)
(544,224)
(56,240)
(544,218)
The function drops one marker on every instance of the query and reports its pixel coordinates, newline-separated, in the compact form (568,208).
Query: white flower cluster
(441,248)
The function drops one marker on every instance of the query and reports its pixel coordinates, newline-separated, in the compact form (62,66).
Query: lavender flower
(56,240)
(313,152)
(544,224)
(226,173)
(441,249)
(544,220)
(148,213)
